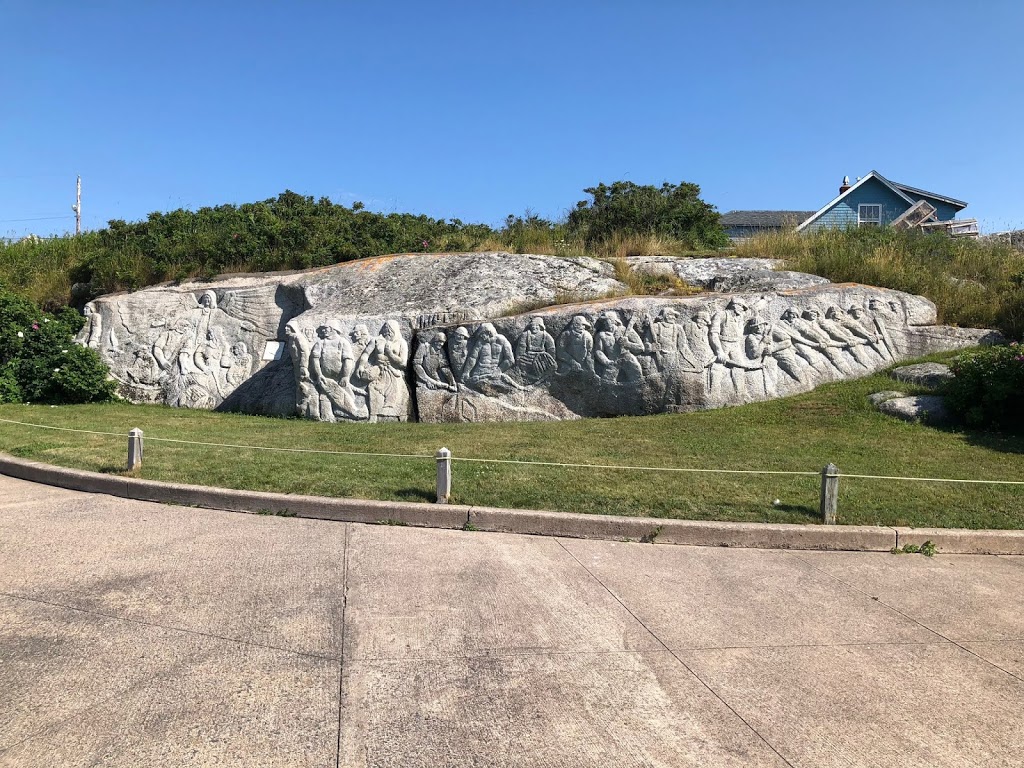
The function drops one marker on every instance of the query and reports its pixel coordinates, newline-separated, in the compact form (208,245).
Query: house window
(869,215)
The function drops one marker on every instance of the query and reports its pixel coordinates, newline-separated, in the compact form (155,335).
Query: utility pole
(77,207)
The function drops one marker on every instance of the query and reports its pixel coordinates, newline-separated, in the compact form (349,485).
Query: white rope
(521,461)
(650,469)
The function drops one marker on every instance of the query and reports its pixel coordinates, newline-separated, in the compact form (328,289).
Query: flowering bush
(39,361)
(988,387)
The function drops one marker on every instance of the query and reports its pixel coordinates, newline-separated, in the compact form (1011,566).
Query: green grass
(834,423)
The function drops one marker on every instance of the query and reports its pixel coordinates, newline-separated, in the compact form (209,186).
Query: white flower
(21,335)
(56,370)
(46,319)
(63,351)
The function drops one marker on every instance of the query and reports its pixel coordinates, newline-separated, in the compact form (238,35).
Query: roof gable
(919,193)
(860,183)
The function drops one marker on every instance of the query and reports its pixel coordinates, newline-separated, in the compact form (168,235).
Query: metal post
(444,475)
(134,449)
(829,494)
(77,207)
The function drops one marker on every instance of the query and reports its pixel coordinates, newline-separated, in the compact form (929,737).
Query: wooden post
(444,475)
(134,449)
(829,494)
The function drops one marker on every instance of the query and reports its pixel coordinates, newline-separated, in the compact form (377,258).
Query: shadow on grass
(1003,442)
(415,494)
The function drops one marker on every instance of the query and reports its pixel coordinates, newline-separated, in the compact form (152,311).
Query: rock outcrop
(489,337)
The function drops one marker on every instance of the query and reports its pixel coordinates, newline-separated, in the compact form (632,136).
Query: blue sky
(474,110)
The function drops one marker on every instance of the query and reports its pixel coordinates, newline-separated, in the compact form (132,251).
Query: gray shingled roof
(764,219)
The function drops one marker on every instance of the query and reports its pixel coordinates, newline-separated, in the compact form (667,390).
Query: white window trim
(861,221)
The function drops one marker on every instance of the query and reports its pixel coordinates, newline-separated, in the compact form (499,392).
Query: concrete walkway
(135,634)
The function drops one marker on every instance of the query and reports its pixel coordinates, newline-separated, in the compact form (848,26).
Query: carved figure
(784,349)
(430,364)
(360,340)
(300,345)
(207,360)
(575,347)
(330,365)
(93,331)
(616,348)
(880,315)
(759,364)
(535,352)
(383,364)
(238,366)
(669,344)
(490,356)
(458,352)
(143,369)
(726,339)
(814,336)
(857,322)
(835,325)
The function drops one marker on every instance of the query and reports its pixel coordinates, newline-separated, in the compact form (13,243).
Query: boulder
(927,409)
(880,397)
(931,375)
(491,337)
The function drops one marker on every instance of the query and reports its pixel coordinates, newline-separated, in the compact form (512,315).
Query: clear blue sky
(474,110)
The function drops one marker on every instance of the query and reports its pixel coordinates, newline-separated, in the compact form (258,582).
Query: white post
(829,494)
(134,449)
(444,475)
(77,207)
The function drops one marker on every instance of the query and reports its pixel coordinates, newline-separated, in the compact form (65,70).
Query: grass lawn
(835,423)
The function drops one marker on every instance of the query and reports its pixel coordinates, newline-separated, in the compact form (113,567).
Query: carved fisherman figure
(489,357)
(331,364)
(535,352)
(616,348)
(430,363)
(300,345)
(576,346)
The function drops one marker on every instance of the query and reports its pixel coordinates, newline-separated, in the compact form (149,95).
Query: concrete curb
(536,522)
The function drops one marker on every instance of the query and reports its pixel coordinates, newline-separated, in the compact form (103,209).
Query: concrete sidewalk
(136,634)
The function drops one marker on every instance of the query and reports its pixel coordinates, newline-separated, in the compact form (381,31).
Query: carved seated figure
(490,356)
(430,363)
(535,352)
(575,351)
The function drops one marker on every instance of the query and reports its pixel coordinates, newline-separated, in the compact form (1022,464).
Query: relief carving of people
(535,352)
(880,315)
(726,338)
(836,325)
(616,348)
(383,364)
(93,331)
(458,352)
(858,322)
(490,356)
(331,363)
(207,360)
(430,364)
(810,328)
(575,349)
(300,345)
(698,335)
(669,344)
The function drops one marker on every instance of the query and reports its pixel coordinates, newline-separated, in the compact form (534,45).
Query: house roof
(763,219)
(900,189)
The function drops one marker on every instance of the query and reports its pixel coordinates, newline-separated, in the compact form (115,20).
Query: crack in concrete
(682,663)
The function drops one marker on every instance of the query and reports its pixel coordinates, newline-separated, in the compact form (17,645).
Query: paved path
(134,634)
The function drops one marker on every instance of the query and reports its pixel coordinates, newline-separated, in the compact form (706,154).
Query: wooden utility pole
(77,207)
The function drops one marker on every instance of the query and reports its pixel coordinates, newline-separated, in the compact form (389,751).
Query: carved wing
(256,308)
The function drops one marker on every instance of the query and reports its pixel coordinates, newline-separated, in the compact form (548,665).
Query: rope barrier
(521,461)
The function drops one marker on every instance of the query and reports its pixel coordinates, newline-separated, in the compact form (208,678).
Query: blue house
(874,201)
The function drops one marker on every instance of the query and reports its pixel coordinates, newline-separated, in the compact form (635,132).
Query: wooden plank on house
(953,227)
(914,216)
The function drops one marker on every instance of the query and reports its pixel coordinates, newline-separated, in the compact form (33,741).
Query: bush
(624,208)
(988,388)
(39,361)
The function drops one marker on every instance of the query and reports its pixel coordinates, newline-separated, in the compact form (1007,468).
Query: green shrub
(624,208)
(39,361)
(988,388)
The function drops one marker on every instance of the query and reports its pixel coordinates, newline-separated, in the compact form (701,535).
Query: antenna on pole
(77,207)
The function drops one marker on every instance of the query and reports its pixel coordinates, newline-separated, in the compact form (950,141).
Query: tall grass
(974,283)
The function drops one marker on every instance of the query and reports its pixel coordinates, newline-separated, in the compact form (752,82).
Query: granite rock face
(726,275)
(636,356)
(927,409)
(459,338)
